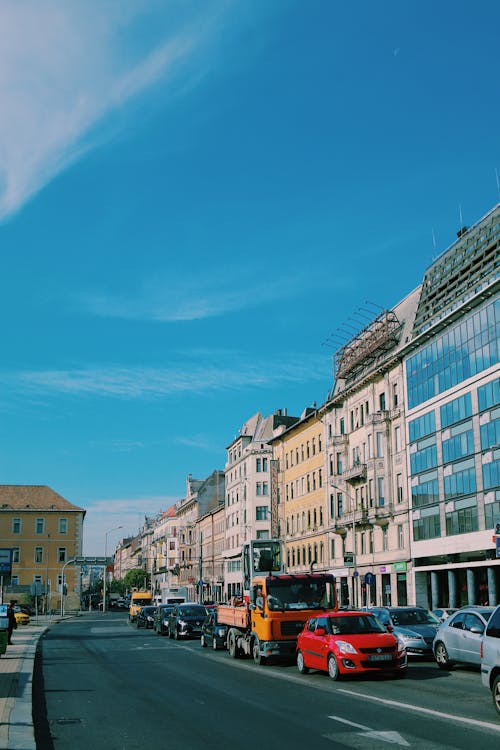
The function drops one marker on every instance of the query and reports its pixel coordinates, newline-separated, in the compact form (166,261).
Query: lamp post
(115,528)
(354,592)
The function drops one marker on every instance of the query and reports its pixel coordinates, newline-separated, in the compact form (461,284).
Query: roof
(33,497)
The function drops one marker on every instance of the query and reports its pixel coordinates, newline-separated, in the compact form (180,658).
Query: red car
(345,642)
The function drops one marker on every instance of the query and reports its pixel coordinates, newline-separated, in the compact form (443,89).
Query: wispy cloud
(181,299)
(200,442)
(107,514)
(200,373)
(66,67)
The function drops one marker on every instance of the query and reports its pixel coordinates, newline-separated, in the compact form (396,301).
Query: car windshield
(354,625)
(193,612)
(301,594)
(413,617)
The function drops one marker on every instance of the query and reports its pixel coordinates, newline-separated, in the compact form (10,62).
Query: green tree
(137,579)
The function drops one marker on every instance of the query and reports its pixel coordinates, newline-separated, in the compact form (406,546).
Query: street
(102,683)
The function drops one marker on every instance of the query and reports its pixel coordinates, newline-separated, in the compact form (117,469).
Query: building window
(264,464)
(380,444)
(489,395)
(340,504)
(40,526)
(261,513)
(423,426)
(258,488)
(262,534)
(38,554)
(397,439)
(380,491)
(463,519)
(395,395)
(63,525)
(339,463)
(381,400)
(342,426)
(401,536)
(265,488)
(399,487)
(61,554)
(16,526)
(258,464)
(428,525)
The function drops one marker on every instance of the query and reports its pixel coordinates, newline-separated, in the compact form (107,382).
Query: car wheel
(495,692)
(441,656)
(257,656)
(231,645)
(301,664)
(333,668)
(214,644)
(203,642)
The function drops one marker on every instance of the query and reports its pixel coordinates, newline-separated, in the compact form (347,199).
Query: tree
(136,579)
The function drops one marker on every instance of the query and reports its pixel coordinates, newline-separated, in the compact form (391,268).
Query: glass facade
(466,349)
(446,472)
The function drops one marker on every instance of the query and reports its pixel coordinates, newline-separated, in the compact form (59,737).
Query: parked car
(444,613)
(212,633)
(145,616)
(349,642)
(490,657)
(186,620)
(415,626)
(458,638)
(160,620)
(22,618)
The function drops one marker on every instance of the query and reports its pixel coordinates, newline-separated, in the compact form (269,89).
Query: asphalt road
(103,684)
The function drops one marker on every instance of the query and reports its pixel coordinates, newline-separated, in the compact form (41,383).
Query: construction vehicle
(267,624)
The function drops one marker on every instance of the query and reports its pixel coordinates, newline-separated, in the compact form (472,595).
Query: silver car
(458,639)
(414,626)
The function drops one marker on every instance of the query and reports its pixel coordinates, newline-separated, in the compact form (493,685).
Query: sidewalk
(16,677)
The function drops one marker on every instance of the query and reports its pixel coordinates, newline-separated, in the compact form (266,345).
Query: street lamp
(115,528)
(354,592)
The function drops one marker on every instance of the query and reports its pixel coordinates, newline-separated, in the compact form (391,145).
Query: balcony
(380,515)
(355,473)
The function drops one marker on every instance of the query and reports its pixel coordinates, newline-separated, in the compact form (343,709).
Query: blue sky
(196,198)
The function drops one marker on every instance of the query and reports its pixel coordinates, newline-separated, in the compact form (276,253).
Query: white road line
(419,709)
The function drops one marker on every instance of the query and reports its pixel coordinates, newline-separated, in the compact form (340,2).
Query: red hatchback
(349,643)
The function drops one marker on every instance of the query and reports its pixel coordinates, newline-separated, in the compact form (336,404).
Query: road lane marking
(394,738)
(420,709)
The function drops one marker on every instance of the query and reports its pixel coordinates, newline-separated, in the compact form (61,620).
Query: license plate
(379,657)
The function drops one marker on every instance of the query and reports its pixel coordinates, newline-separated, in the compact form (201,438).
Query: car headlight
(182,622)
(409,636)
(346,648)
(401,643)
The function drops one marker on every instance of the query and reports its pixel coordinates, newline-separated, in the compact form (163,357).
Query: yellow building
(302,493)
(44,532)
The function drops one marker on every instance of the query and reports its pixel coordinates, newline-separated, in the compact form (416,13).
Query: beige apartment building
(299,451)
(366,463)
(212,539)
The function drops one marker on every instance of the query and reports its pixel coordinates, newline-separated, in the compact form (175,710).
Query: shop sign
(399,567)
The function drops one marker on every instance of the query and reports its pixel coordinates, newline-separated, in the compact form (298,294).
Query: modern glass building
(452,379)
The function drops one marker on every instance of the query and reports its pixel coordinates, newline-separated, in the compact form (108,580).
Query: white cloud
(197,373)
(106,515)
(173,299)
(67,66)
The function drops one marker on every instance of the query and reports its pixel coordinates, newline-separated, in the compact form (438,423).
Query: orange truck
(267,626)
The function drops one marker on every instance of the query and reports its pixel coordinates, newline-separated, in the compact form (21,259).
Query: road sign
(348,559)
(369,579)
(36,588)
(5,560)
(92,560)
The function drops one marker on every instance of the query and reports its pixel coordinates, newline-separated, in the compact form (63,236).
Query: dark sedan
(186,620)
(213,633)
(160,624)
(145,617)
